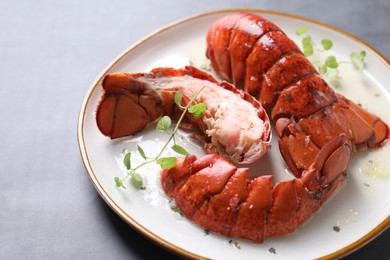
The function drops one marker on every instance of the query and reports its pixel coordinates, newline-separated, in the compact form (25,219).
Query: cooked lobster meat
(318,131)
(234,124)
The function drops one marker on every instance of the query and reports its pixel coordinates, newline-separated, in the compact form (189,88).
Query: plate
(361,208)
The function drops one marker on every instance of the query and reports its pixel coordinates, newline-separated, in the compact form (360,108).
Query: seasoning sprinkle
(235,243)
(272,250)
(336,228)
(176,209)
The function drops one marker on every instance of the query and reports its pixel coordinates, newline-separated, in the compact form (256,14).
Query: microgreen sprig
(329,67)
(163,125)
(357,59)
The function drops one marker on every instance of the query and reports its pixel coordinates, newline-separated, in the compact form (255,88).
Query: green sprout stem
(132,171)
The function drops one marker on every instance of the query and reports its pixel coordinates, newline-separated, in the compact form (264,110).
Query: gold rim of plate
(149,234)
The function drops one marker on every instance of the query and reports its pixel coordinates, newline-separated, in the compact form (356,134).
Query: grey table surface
(50,53)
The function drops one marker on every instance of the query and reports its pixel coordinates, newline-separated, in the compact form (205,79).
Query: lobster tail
(234,124)
(271,67)
(216,195)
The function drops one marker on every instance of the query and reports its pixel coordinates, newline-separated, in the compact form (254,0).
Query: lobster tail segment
(218,52)
(380,130)
(243,37)
(126,106)
(331,161)
(218,212)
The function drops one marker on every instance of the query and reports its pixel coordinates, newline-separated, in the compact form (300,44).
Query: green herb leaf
(126,161)
(136,180)
(326,44)
(141,152)
(118,182)
(307,46)
(308,51)
(323,69)
(306,41)
(179,149)
(301,31)
(331,62)
(163,124)
(166,162)
(197,110)
(178,97)
(357,59)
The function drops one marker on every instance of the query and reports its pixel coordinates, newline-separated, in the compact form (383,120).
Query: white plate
(361,208)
